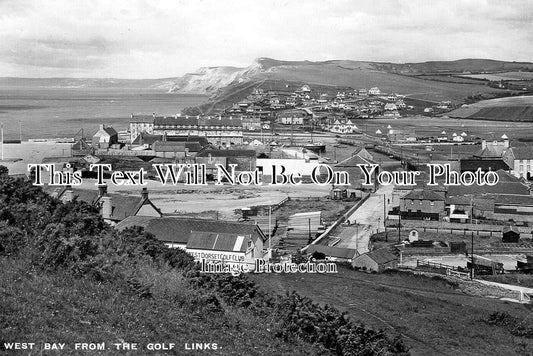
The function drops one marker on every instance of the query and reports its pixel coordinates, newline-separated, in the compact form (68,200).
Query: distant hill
(426,81)
(163,84)
(471,65)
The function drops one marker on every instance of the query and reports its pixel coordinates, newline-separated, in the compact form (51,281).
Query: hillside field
(516,108)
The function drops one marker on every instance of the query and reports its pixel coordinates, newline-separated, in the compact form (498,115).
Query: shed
(377,260)
(510,234)
(413,235)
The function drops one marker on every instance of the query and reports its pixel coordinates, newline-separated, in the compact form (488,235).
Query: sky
(158,39)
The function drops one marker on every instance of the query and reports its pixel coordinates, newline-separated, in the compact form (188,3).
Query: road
(366,220)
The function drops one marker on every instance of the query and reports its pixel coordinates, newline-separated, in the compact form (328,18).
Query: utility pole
(399,222)
(472,258)
(384,211)
(309,230)
(270,227)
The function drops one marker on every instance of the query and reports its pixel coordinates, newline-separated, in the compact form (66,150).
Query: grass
(430,315)
(55,307)
(525,280)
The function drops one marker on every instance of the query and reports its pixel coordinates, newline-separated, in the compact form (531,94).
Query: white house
(374,91)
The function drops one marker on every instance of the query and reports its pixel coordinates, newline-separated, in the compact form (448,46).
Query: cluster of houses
(349,103)
(510,200)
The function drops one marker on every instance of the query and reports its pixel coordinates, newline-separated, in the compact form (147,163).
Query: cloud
(168,38)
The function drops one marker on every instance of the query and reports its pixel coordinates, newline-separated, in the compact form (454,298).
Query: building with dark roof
(510,234)
(472,165)
(422,204)
(507,184)
(377,260)
(218,131)
(244,159)
(113,207)
(105,137)
(522,162)
(231,242)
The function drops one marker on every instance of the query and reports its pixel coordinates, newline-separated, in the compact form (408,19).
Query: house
(390,107)
(174,150)
(374,91)
(191,143)
(510,234)
(422,204)
(140,124)
(495,150)
(105,137)
(522,165)
(343,126)
(335,254)
(377,260)
(293,117)
(210,240)
(251,123)
(223,131)
(113,207)
(244,159)
(356,176)
(394,114)
(507,184)
(363,92)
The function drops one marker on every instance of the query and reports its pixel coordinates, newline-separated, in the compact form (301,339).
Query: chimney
(153,115)
(102,190)
(68,195)
(107,207)
(132,115)
(101,126)
(483,144)
(144,193)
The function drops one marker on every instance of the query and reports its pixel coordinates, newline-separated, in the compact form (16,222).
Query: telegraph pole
(472,258)
(309,230)
(399,223)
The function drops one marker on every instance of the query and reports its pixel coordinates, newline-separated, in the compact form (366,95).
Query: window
(431,203)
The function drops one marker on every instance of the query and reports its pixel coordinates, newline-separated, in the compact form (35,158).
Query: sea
(40,113)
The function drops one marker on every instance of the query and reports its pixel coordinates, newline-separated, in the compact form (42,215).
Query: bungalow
(377,260)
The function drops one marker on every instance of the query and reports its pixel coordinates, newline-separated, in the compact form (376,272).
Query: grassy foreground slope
(430,314)
(67,277)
